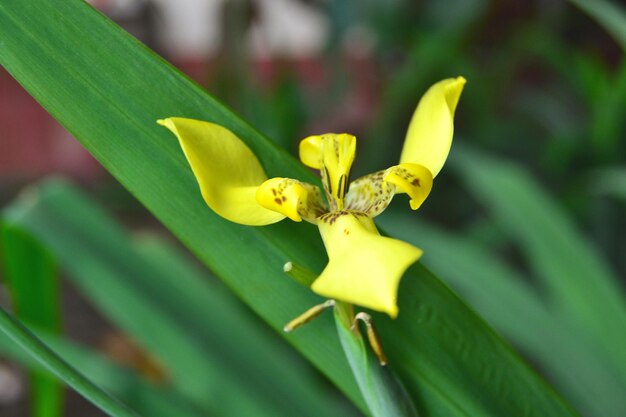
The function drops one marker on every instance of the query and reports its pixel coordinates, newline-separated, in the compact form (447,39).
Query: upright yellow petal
(333,154)
(429,136)
(338,151)
(311,151)
(364,268)
(227,171)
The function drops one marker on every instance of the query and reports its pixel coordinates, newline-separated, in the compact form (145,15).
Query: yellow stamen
(372,336)
(308,315)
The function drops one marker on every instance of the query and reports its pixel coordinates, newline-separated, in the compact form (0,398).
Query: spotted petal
(296,200)
(429,136)
(364,268)
(227,171)
(333,154)
(371,194)
(413,179)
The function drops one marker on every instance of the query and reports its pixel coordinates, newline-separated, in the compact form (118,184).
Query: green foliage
(193,327)
(611,15)
(577,282)
(124,384)
(384,394)
(58,367)
(561,323)
(566,125)
(31,275)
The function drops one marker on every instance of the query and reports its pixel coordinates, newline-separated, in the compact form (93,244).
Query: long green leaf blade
(145,398)
(57,366)
(611,15)
(240,339)
(609,182)
(212,353)
(502,296)
(580,284)
(450,360)
(32,279)
(384,394)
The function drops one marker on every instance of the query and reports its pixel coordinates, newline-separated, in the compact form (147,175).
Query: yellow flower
(364,267)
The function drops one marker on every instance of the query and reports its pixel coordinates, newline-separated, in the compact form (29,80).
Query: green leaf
(383,392)
(109,98)
(503,296)
(610,15)
(58,367)
(581,286)
(32,280)
(610,181)
(607,112)
(125,385)
(213,352)
(434,324)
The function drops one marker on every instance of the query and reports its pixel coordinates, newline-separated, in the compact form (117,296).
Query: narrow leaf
(383,392)
(124,384)
(58,367)
(448,358)
(212,351)
(569,358)
(581,286)
(608,181)
(32,280)
(611,16)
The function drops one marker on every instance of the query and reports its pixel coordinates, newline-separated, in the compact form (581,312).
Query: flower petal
(226,170)
(370,194)
(364,268)
(310,150)
(429,136)
(415,180)
(338,151)
(333,154)
(294,199)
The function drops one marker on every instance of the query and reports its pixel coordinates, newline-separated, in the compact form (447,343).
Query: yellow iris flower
(364,267)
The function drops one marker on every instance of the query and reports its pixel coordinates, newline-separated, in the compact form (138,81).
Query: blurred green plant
(535,96)
(196,330)
(565,313)
(32,280)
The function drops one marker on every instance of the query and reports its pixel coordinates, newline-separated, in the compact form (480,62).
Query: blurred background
(546,97)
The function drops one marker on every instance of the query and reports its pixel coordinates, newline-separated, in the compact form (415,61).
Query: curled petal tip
(282,195)
(454,88)
(413,179)
(227,171)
